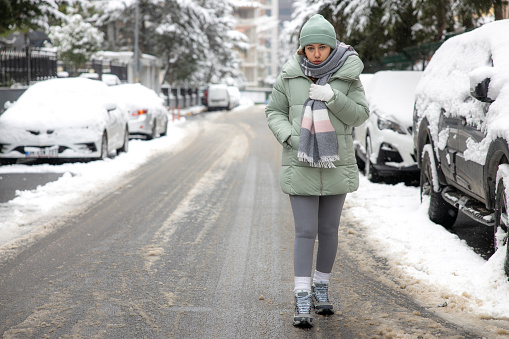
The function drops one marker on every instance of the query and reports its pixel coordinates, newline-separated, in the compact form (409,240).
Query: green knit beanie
(317,30)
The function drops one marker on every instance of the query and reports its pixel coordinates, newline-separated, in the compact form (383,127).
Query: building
(285,10)
(258,20)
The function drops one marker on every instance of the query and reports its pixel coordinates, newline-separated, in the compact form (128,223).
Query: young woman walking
(316,101)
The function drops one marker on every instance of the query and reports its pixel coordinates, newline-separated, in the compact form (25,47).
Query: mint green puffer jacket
(348,108)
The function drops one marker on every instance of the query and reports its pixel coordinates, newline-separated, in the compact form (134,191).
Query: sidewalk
(176,112)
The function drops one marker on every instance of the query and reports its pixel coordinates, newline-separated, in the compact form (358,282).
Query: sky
(429,260)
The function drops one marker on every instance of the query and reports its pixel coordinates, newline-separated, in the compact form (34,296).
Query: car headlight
(387,124)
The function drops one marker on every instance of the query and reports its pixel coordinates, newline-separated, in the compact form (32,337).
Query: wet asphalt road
(198,243)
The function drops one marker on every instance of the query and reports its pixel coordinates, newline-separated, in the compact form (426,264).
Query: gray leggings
(315,215)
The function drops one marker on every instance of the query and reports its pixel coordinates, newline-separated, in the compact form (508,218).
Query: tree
(499,6)
(24,16)
(76,41)
(195,38)
(380,27)
(6,16)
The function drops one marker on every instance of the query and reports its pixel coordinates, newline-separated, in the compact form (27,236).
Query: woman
(316,101)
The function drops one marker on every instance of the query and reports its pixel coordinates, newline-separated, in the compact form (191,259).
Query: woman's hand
(322,93)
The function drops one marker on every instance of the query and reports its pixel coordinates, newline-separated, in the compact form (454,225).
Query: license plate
(41,152)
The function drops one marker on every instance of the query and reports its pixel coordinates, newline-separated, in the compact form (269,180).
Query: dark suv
(461,128)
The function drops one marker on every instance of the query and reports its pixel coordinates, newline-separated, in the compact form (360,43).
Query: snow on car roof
(137,95)
(59,103)
(446,83)
(391,94)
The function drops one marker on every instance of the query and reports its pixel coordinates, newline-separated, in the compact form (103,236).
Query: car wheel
(165,131)
(153,134)
(501,218)
(104,147)
(360,163)
(125,146)
(439,211)
(369,171)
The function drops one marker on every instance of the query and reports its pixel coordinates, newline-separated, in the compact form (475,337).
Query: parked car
(462,129)
(109,79)
(148,116)
(383,144)
(218,97)
(234,94)
(63,118)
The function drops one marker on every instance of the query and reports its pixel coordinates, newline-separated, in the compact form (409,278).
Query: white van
(218,97)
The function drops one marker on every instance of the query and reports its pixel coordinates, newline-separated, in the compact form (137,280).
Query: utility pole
(136,51)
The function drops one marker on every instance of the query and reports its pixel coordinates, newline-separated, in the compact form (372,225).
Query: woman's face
(317,53)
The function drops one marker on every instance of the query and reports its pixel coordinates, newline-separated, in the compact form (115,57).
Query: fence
(181,97)
(27,65)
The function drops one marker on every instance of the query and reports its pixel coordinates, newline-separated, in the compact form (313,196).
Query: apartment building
(258,20)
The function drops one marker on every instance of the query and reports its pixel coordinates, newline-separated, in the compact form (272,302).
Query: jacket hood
(350,71)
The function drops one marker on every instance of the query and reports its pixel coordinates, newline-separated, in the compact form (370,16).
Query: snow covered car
(383,144)
(63,118)
(461,125)
(148,116)
(109,79)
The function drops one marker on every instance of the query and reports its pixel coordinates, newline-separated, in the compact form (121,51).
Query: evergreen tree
(24,16)
(76,41)
(377,28)
(195,38)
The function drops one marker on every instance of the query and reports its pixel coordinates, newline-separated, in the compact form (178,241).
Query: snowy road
(197,243)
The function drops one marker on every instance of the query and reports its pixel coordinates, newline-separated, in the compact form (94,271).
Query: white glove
(322,93)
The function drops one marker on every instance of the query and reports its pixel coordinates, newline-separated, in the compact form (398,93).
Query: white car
(111,79)
(63,118)
(384,144)
(148,116)
(218,97)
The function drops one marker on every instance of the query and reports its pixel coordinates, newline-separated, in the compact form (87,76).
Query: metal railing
(27,65)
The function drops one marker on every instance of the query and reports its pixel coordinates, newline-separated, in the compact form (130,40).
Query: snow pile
(427,259)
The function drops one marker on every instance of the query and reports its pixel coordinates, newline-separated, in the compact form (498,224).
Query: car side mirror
(7,105)
(110,106)
(480,91)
